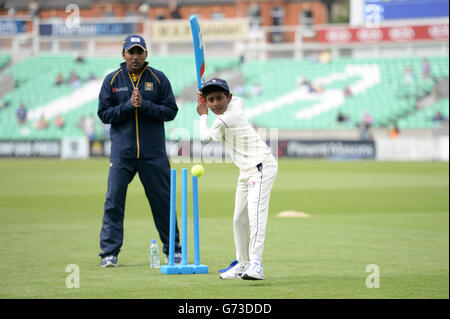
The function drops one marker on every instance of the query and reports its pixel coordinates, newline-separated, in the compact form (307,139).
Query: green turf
(394,215)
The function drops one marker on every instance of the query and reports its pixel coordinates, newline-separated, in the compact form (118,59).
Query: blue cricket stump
(184,267)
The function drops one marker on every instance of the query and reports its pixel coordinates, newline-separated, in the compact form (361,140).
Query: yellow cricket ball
(197,170)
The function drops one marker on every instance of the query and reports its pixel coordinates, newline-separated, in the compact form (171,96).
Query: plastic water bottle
(154,255)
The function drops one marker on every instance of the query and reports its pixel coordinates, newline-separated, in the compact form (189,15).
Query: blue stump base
(184,269)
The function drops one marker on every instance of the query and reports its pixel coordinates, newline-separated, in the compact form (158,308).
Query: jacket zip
(136,112)
(137,133)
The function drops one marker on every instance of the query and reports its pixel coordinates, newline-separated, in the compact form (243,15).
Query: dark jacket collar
(123,65)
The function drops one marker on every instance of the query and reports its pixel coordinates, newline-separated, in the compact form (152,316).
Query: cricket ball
(197,170)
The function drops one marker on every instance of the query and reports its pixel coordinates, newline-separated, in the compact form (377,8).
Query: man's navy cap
(215,82)
(134,40)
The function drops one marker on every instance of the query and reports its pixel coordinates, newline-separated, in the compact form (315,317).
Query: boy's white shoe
(234,272)
(253,272)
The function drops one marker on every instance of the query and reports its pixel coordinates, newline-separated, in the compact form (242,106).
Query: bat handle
(202,99)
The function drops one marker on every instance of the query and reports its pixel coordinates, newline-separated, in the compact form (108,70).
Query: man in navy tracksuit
(136,100)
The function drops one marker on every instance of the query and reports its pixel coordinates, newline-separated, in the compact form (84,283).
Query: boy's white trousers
(251,210)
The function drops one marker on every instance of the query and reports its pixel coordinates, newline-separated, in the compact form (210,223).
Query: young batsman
(257,172)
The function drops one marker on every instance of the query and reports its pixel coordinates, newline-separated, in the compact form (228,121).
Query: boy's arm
(215,133)
(217,129)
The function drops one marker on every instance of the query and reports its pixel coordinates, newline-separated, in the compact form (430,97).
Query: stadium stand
(388,101)
(35,87)
(347,85)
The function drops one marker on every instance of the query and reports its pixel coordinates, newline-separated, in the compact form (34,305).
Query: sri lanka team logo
(148,86)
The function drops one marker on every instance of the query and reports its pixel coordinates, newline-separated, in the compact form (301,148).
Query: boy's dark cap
(134,40)
(215,82)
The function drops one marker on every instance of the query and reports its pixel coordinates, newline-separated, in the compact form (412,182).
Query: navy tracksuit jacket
(137,146)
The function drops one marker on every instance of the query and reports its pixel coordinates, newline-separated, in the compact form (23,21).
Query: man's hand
(136,98)
(202,108)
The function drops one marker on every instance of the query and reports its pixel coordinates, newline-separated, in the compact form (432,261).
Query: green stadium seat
(385,101)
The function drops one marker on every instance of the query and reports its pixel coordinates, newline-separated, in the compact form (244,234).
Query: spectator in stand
(438,117)
(304,82)
(348,92)
(256,89)
(342,118)
(408,76)
(254,14)
(74,80)
(426,69)
(241,58)
(239,90)
(22,114)
(58,121)
(394,131)
(143,9)
(42,123)
(365,125)
(301,80)
(59,80)
(174,10)
(408,86)
(91,77)
(80,59)
(319,88)
(89,127)
(4,105)
(324,57)
(367,119)
(313,58)
(33,8)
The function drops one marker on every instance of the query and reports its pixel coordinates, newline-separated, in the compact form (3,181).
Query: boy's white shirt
(240,140)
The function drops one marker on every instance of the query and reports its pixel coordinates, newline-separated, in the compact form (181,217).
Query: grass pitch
(394,215)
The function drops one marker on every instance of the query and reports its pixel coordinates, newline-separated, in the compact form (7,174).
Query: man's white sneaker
(253,272)
(109,261)
(234,272)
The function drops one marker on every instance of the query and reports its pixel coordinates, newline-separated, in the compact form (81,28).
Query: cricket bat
(198,50)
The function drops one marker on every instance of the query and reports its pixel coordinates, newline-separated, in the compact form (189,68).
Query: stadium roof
(61,4)
(47,4)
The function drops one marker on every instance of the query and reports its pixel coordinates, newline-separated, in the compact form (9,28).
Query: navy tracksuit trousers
(155,177)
